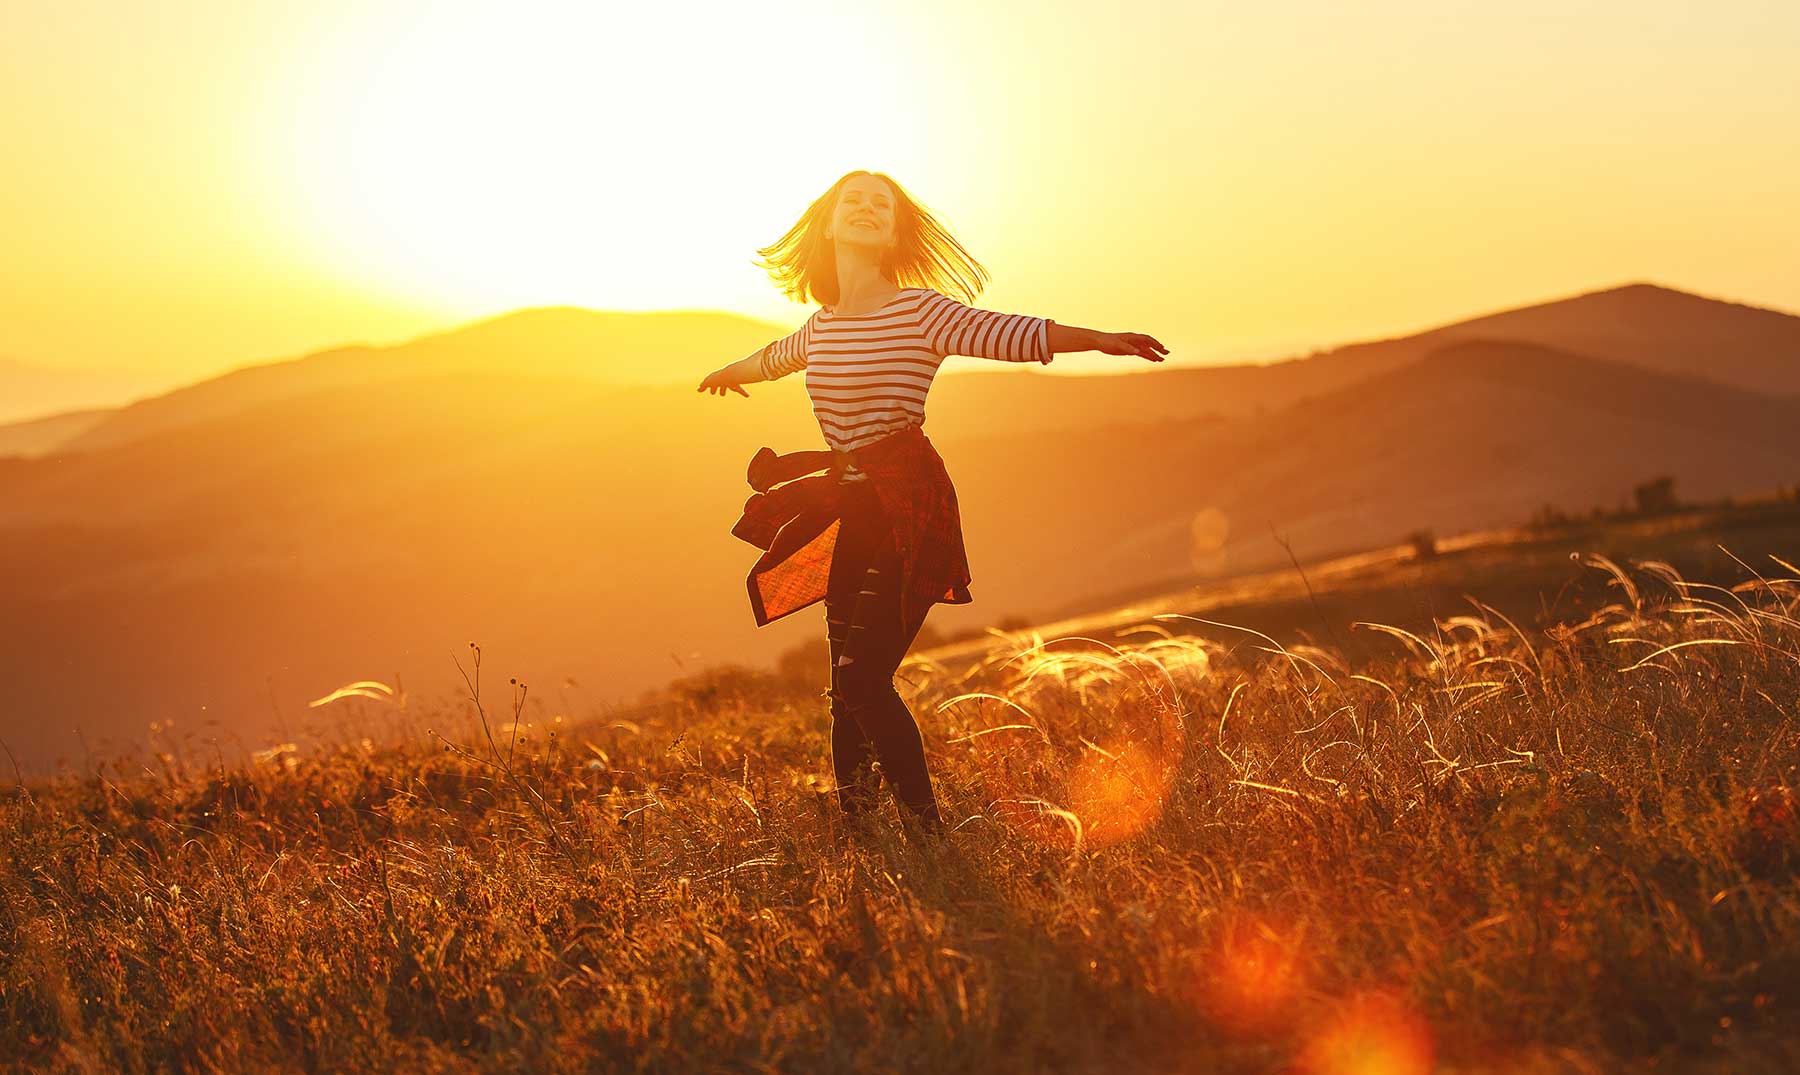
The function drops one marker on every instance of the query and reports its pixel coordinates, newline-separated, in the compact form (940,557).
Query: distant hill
(231,568)
(41,436)
(31,391)
(1478,434)
(605,347)
(1659,329)
(1643,325)
(1656,328)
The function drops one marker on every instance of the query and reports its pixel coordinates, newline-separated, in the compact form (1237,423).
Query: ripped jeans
(868,639)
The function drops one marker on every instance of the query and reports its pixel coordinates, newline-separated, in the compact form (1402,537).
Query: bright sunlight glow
(628,157)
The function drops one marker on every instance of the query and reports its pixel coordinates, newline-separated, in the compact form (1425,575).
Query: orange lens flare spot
(1209,532)
(1079,743)
(1371,1034)
(1247,981)
(1117,794)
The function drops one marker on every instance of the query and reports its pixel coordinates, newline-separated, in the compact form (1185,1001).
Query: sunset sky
(195,185)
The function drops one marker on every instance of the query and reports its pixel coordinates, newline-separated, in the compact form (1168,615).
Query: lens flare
(1247,980)
(1373,1033)
(1117,793)
(1208,532)
(1080,745)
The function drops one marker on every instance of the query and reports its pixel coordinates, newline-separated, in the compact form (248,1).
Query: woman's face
(864,214)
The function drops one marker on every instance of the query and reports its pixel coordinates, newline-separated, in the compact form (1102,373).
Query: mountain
(1640,324)
(1654,328)
(1475,435)
(607,347)
(42,436)
(231,568)
(1659,329)
(29,390)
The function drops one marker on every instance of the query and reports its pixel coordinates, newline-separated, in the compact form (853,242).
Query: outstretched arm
(1074,338)
(746,370)
(955,328)
(784,356)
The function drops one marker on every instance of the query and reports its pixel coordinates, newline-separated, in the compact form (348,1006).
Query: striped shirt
(868,374)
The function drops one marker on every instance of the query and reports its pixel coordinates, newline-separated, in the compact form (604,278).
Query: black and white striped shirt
(868,374)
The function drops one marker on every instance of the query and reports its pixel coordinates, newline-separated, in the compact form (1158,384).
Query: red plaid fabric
(796,524)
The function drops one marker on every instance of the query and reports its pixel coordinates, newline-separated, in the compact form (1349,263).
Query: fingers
(1148,346)
(739,389)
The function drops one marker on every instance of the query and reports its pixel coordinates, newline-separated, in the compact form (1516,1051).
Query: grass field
(1494,844)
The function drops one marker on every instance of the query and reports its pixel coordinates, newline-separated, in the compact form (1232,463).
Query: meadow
(1483,845)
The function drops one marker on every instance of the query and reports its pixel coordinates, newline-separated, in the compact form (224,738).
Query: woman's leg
(878,639)
(852,753)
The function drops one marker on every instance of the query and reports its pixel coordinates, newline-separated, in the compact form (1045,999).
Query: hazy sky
(195,184)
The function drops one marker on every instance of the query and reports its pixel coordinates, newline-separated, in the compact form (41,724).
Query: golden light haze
(196,186)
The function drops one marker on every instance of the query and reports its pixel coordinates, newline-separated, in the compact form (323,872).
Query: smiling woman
(594,155)
(878,535)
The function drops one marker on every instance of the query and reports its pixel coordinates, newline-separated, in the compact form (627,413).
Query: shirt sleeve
(954,328)
(788,354)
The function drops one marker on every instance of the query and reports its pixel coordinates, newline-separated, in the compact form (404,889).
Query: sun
(610,155)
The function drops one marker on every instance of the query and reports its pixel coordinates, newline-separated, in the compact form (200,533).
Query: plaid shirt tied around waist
(795,513)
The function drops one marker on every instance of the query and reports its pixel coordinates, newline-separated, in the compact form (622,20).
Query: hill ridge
(1649,324)
(523,340)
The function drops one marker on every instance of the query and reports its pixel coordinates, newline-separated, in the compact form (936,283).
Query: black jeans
(868,640)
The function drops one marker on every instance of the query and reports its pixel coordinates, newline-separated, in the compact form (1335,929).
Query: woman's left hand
(1132,343)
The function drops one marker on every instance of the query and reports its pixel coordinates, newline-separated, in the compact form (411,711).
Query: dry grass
(1192,850)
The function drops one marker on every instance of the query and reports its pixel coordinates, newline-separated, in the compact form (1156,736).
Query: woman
(877,536)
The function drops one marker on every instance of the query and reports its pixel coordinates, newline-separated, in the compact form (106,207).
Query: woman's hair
(803,262)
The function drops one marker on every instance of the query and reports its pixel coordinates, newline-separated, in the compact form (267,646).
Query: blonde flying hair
(803,263)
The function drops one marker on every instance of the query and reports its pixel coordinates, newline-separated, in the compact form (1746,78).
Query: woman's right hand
(720,381)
